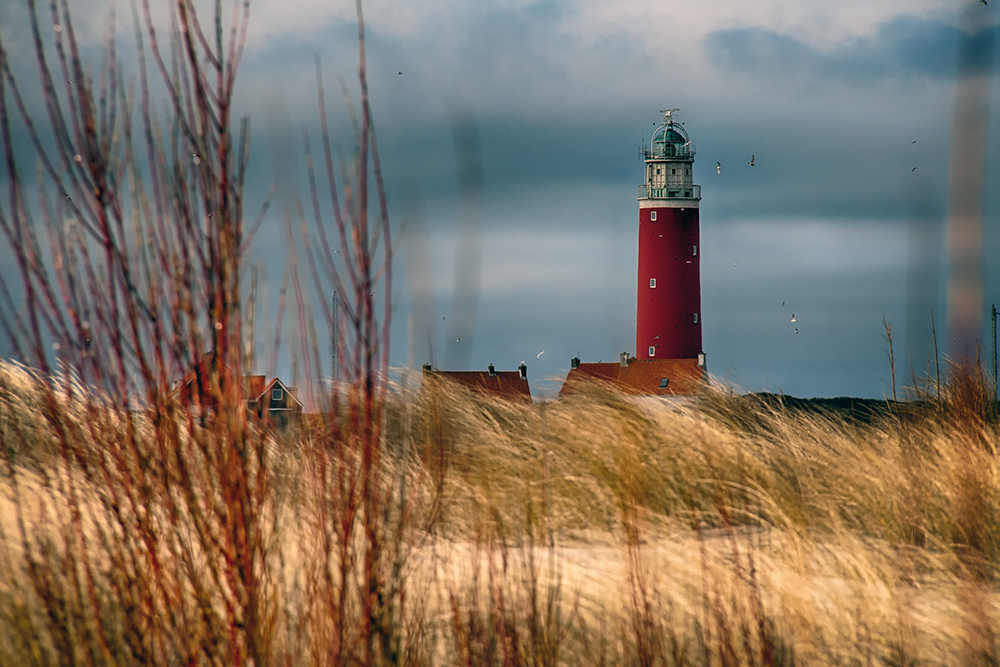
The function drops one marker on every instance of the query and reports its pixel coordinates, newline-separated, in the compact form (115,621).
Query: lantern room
(669,161)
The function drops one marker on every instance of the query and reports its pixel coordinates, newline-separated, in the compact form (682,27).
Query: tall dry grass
(596,530)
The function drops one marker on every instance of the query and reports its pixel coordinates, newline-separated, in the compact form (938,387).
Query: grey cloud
(904,47)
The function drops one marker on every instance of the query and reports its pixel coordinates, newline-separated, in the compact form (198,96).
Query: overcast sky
(524,119)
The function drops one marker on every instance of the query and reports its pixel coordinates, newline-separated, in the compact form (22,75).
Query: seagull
(913,142)
(718,167)
(752,158)
(796,329)
(399,72)
(984,2)
(913,170)
(793,318)
(735,263)
(458,339)
(782,304)
(539,355)
(442,317)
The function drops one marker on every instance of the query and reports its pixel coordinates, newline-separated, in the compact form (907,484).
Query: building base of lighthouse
(668,304)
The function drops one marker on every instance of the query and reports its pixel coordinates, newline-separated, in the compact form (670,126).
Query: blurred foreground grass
(596,530)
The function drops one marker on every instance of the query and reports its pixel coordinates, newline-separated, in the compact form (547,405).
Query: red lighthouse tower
(668,314)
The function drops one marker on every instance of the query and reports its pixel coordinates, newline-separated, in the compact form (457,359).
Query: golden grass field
(595,530)
(399,528)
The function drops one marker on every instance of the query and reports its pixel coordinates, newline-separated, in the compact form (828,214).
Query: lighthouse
(668,361)
(668,306)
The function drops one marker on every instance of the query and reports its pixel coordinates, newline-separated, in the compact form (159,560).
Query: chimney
(427,369)
(623,358)
(574,363)
(522,370)
(492,370)
(701,360)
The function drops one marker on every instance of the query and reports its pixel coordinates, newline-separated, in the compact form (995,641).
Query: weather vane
(668,115)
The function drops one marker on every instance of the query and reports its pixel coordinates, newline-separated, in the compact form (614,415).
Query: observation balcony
(671,192)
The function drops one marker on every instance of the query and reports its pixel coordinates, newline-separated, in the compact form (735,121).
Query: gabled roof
(641,377)
(508,385)
(202,371)
(269,386)
(250,386)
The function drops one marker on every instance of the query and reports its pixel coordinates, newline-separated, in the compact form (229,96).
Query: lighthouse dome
(670,140)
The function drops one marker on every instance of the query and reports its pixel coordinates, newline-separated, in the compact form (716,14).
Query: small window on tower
(652,351)
(664,382)
(673,171)
(688,171)
(657,170)
(694,251)
(652,216)
(652,282)
(696,318)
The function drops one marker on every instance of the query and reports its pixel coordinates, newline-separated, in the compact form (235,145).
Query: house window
(652,351)
(694,251)
(277,394)
(652,283)
(664,382)
(696,318)
(652,216)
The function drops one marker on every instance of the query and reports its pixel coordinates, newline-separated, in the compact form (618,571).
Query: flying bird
(399,72)
(539,355)
(984,2)
(782,304)
(914,141)
(793,318)
(718,167)
(796,329)
(458,339)
(752,159)
(913,170)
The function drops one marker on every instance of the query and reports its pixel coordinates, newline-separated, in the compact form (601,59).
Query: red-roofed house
(199,389)
(640,377)
(275,402)
(508,385)
(269,401)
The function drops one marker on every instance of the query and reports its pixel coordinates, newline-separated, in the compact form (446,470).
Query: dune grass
(595,530)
